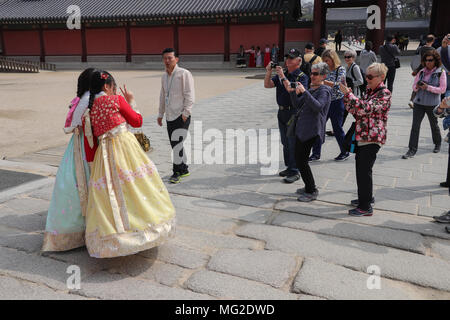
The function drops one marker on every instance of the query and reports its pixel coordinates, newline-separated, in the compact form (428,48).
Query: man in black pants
(176,100)
(388,52)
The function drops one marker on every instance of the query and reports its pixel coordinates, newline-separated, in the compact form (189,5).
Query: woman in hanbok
(65,225)
(251,61)
(267,58)
(259,57)
(129,208)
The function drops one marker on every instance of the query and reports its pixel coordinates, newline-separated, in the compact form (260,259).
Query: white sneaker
(411,104)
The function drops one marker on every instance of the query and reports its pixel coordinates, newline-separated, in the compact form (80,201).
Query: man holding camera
(293,74)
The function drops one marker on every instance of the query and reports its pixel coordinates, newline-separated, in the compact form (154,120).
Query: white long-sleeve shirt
(177,95)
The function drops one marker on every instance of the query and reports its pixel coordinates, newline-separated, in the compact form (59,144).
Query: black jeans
(390,78)
(179,158)
(287,142)
(365,159)
(302,151)
(418,114)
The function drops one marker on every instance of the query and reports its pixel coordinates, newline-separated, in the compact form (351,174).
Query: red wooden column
(379,33)
(2,38)
(226,45)
(83,44)
(42,42)
(319,21)
(128,36)
(176,44)
(281,38)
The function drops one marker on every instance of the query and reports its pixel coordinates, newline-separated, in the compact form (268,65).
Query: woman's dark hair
(84,82)
(368,45)
(98,79)
(435,55)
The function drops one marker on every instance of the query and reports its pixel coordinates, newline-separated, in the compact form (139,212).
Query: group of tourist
(336,89)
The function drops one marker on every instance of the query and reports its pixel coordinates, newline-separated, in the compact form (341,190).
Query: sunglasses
(348,57)
(370,77)
(315,73)
(429,60)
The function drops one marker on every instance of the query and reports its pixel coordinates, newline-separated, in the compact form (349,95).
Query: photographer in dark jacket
(313,105)
(285,107)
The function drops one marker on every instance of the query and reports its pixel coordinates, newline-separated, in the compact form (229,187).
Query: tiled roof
(22,10)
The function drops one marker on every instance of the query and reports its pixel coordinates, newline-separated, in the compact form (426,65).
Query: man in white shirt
(176,100)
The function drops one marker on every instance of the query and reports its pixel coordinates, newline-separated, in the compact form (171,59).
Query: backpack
(306,66)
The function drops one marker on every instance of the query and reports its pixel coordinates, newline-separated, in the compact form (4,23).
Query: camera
(293,85)
(274,65)
(420,83)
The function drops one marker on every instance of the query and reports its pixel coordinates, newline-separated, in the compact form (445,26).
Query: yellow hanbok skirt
(129,208)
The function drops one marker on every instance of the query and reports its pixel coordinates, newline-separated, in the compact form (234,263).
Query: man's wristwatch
(283,79)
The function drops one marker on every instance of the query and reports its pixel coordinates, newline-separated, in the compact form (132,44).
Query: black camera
(293,85)
(420,83)
(274,65)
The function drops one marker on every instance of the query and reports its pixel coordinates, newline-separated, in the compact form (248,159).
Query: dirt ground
(33,107)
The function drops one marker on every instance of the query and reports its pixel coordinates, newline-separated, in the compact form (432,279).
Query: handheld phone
(293,85)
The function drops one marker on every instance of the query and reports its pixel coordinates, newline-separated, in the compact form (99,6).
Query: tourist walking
(366,58)
(176,100)
(429,84)
(388,53)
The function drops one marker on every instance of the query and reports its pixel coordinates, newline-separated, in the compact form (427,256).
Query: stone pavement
(243,235)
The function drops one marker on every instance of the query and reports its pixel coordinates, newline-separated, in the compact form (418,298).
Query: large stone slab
(392,238)
(394,264)
(104,285)
(14,289)
(270,267)
(335,282)
(175,254)
(224,286)
(198,220)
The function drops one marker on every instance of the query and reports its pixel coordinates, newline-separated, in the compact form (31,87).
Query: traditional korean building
(118,30)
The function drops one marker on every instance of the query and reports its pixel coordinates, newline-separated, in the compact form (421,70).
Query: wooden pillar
(42,42)
(2,38)
(128,39)
(83,44)
(439,21)
(379,33)
(176,45)
(226,45)
(319,18)
(281,38)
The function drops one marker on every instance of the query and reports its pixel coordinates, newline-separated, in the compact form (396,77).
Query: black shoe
(355,203)
(300,191)
(447,229)
(284,173)
(292,178)
(175,178)
(409,154)
(445,218)
(342,156)
(329,133)
(308,197)
(357,212)
(185,174)
(444,184)
(437,148)
(314,158)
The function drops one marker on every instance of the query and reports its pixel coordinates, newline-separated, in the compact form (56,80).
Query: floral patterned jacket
(370,112)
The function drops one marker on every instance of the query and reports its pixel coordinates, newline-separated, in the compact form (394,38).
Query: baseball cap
(309,46)
(293,53)
(323,40)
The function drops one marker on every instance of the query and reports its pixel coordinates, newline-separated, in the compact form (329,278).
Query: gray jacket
(314,105)
(387,54)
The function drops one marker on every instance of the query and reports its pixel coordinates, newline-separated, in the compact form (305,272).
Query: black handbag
(350,143)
